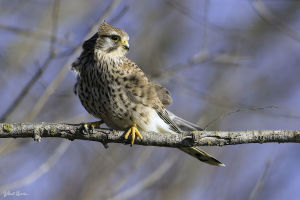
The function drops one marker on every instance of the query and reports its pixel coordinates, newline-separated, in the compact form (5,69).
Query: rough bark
(105,136)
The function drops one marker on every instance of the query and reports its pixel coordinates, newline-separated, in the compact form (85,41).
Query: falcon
(114,89)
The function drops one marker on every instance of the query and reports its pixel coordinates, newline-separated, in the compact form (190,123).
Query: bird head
(112,40)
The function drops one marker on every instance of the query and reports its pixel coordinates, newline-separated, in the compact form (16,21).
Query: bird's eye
(115,38)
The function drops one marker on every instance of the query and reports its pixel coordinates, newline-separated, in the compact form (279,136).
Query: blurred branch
(36,34)
(120,14)
(63,72)
(196,59)
(40,103)
(125,179)
(146,182)
(204,32)
(258,187)
(55,12)
(187,12)
(41,70)
(194,138)
(202,56)
(45,167)
(273,20)
(26,89)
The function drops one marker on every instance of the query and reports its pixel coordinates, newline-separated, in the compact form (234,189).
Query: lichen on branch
(105,136)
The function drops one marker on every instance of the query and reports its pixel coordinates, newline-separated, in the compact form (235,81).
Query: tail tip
(221,165)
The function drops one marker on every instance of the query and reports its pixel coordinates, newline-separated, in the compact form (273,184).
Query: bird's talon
(90,126)
(139,134)
(132,137)
(133,131)
(85,129)
(127,134)
(193,137)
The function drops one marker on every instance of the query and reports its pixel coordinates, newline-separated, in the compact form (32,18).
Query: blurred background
(229,65)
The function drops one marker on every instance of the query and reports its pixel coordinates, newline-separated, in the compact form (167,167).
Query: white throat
(108,57)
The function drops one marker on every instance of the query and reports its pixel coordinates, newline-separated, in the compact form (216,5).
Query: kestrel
(114,89)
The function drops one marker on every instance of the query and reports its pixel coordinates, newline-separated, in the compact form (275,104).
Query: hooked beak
(125,45)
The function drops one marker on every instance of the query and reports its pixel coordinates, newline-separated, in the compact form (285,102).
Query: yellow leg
(133,130)
(93,125)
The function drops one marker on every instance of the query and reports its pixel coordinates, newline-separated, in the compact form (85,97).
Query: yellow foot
(92,125)
(133,130)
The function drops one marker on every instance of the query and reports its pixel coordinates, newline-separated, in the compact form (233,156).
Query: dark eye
(115,38)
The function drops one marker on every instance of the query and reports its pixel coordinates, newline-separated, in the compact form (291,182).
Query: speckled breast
(102,95)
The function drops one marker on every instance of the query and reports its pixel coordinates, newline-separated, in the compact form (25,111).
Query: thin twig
(242,109)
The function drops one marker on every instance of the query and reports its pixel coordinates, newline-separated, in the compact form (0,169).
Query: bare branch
(195,138)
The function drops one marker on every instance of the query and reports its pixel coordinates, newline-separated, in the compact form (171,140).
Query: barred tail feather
(202,156)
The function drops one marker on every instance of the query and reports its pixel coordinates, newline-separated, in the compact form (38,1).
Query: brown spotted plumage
(114,89)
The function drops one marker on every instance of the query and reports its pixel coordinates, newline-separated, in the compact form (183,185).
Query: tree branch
(195,138)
